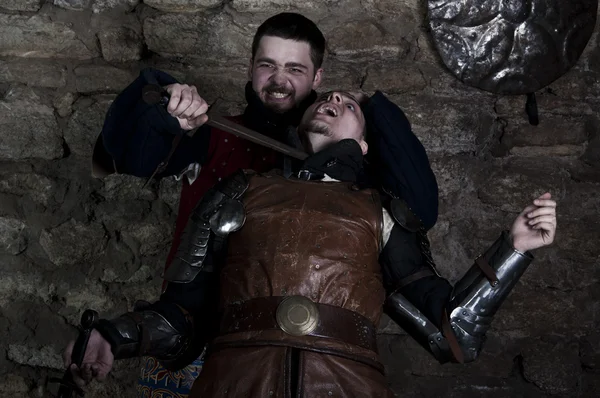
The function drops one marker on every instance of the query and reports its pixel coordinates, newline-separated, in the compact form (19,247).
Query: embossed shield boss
(297,315)
(511,46)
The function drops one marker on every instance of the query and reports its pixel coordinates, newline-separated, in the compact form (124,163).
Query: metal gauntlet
(145,333)
(481,291)
(473,303)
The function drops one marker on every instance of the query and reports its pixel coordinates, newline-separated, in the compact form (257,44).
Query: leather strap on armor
(333,322)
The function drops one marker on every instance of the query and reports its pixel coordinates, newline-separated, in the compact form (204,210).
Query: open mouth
(327,109)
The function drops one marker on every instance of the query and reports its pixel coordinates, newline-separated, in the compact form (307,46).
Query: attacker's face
(282,73)
(333,117)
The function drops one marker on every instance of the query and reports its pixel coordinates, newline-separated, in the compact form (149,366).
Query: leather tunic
(320,240)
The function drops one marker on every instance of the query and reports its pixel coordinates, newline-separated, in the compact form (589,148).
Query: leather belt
(297,315)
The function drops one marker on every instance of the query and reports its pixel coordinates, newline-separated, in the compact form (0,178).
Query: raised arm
(451,322)
(138,137)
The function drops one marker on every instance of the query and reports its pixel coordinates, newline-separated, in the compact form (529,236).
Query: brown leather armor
(320,240)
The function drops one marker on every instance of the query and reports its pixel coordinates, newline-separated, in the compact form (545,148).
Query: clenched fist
(187,106)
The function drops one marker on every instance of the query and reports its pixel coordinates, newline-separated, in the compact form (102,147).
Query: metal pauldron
(474,301)
(219,213)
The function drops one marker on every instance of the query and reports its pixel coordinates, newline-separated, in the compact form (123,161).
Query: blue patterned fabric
(157,382)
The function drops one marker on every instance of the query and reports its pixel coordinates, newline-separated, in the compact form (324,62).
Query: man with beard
(303,268)
(285,68)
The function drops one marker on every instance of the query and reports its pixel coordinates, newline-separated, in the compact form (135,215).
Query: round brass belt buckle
(297,315)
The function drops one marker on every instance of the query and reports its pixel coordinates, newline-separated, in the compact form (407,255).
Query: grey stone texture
(70,242)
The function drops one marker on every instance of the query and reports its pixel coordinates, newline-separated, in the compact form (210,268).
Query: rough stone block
(580,234)
(86,124)
(590,352)
(362,40)
(63,103)
(550,105)
(341,75)
(224,83)
(562,269)
(74,5)
(122,187)
(121,44)
(93,78)
(312,9)
(153,238)
(81,294)
(553,366)
(535,312)
(210,37)
(578,85)
(446,126)
(117,214)
(21,5)
(36,187)
(26,123)
(47,357)
(117,263)
(73,242)
(183,5)
(401,78)
(592,153)
(572,151)
(105,5)
(13,384)
(552,130)
(26,286)
(513,185)
(13,238)
(40,37)
(401,9)
(34,73)
(453,173)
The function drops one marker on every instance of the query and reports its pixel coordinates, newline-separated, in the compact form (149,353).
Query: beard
(278,107)
(316,127)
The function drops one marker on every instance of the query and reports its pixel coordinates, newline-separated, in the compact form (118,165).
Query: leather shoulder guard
(404,216)
(409,221)
(219,213)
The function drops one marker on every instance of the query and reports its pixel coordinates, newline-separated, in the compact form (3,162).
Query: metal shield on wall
(511,46)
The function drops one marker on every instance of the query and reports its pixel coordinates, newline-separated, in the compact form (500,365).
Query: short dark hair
(293,26)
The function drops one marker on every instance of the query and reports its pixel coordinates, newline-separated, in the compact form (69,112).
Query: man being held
(303,268)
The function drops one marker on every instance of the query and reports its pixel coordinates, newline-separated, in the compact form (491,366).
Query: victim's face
(282,73)
(333,117)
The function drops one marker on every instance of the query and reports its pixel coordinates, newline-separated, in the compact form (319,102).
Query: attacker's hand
(187,106)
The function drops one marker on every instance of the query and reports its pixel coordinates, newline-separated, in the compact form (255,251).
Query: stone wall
(70,242)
